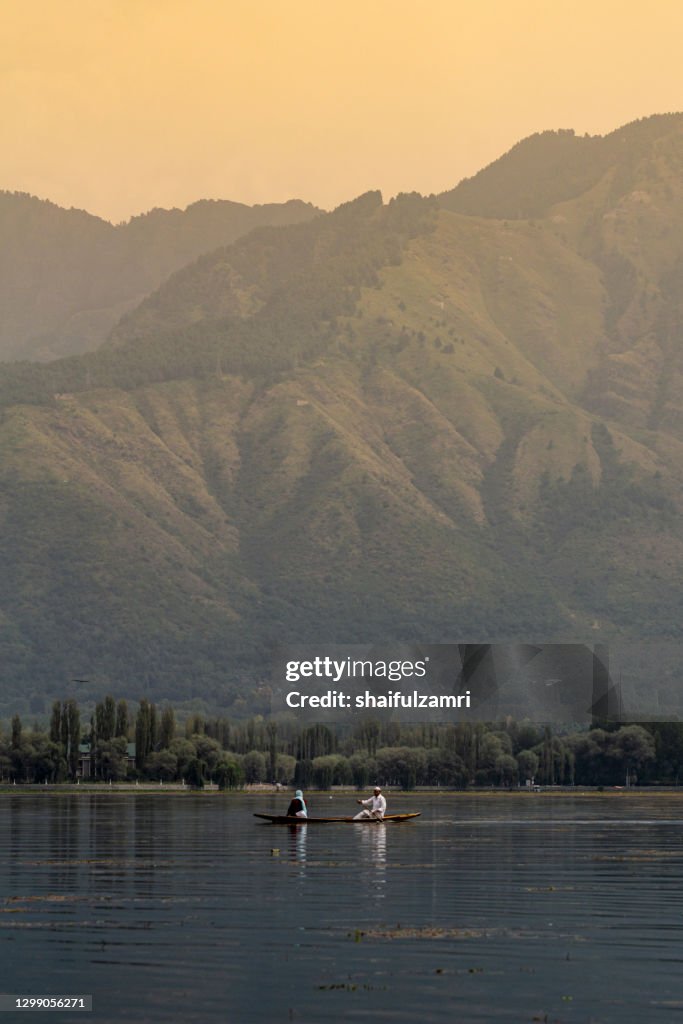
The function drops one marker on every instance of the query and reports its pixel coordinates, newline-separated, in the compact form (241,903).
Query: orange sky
(120,105)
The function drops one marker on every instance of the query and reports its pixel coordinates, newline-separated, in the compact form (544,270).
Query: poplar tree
(167,734)
(272,750)
(16,732)
(72,715)
(122,719)
(70,729)
(142,734)
(152,727)
(56,723)
(108,718)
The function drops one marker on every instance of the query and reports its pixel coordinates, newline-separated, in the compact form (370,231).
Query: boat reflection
(297,846)
(373,840)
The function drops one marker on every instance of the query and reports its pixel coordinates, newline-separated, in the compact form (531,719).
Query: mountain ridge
(68,276)
(394,422)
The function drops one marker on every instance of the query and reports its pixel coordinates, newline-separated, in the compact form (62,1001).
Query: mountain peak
(553,166)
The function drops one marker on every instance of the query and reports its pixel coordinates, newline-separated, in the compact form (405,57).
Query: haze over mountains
(446,418)
(66,277)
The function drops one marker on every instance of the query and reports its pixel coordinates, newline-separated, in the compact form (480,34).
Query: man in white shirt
(374,807)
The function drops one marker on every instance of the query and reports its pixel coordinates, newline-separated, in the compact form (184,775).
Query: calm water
(492,908)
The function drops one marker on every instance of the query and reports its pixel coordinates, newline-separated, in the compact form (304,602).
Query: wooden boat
(283,819)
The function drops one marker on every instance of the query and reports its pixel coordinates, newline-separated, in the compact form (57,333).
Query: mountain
(398,421)
(554,166)
(66,277)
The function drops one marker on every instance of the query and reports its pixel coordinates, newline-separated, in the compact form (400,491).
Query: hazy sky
(120,105)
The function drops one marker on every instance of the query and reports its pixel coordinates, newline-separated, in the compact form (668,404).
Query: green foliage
(527,764)
(109,759)
(454,756)
(323,771)
(229,774)
(315,741)
(168,727)
(254,766)
(105,719)
(162,765)
(122,720)
(144,740)
(195,774)
(71,735)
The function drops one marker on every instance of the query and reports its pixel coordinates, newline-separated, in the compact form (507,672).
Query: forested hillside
(66,277)
(445,419)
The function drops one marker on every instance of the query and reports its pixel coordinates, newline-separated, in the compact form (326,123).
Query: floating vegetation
(348,986)
(421,933)
(49,898)
(435,933)
(637,856)
(109,898)
(106,862)
(549,888)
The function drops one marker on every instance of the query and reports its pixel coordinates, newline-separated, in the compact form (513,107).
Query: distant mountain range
(66,277)
(432,420)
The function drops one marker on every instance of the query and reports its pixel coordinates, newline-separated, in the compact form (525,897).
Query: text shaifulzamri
(368,700)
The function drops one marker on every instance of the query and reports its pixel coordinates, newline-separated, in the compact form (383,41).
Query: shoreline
(260,789)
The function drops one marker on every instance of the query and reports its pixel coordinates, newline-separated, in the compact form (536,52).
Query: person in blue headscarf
(297,807)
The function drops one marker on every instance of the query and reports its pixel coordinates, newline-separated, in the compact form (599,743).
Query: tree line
(151,745)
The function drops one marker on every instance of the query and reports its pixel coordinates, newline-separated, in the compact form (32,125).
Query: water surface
(487,908)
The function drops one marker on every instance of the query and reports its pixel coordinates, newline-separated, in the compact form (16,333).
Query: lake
(490,907)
